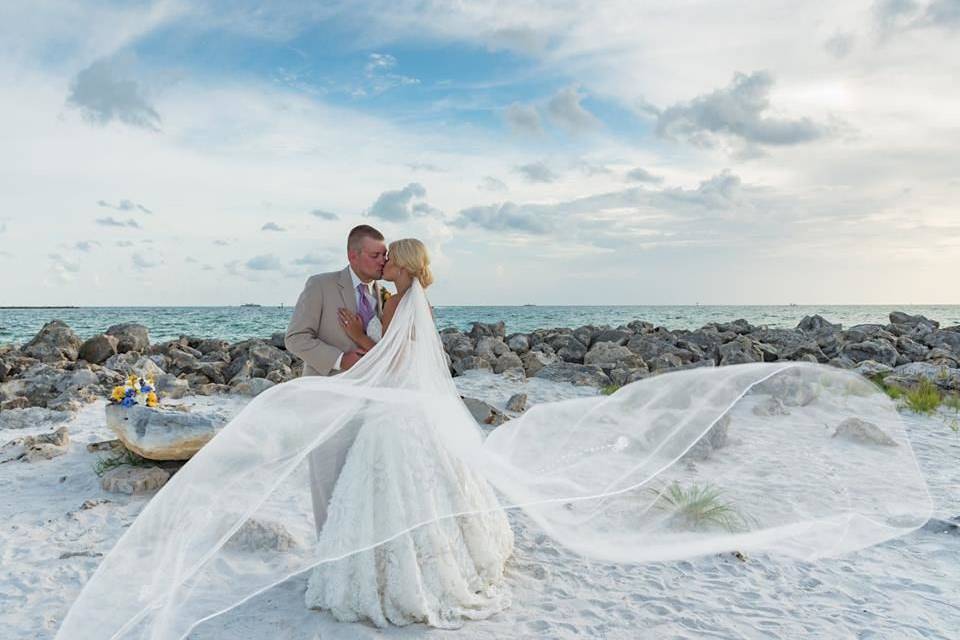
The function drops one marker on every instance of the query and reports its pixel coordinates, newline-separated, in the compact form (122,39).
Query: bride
(798,459)
(399,468)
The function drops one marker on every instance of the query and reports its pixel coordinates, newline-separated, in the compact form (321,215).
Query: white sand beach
(57,523)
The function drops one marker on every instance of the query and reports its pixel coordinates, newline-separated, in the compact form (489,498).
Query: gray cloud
(110,221)
(424,166)
(489,183)
(718,192)
(324,215)
(221,243)
(894,14)
(523,118)
(317,258)
(737,111)
(124,205)
(272,226)
(943,13)
(264,263)
(142,263)
(85,245)
(839,45)
(565,109)
(102,96)
(503,217)
(124,243)
(639,174)
(399,205)
(537,172)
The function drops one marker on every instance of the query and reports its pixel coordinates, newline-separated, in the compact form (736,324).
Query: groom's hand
(351,358)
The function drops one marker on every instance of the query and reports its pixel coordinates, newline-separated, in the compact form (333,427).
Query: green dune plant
(924,398)
(118,458)
(700,507)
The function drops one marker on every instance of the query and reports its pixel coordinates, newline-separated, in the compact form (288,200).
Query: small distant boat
(249,304)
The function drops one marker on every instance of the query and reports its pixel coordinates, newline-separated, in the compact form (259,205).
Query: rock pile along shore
(58,371)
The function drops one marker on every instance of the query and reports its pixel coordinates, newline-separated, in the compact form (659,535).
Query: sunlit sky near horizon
(213,153)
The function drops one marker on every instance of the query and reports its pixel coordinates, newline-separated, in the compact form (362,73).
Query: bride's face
(390,271)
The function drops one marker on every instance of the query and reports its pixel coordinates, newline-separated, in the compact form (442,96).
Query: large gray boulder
(535,360)
(612,355)
(507,361)
(53,343)
(130,337)
(577,374)
(457,345)
(161,433)
(877,350)
(816,324)
(470,362)
(739,351)
(519,343)
(98,348)
(134,480)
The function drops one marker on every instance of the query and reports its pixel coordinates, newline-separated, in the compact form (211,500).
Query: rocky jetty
(56,370)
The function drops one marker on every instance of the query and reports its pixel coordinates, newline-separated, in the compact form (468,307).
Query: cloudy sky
(208,153)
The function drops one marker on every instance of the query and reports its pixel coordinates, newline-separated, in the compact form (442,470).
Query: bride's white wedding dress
(801,460)
(439,574)
(399,471)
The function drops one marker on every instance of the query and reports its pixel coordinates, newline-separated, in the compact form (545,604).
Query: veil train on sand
(789,458)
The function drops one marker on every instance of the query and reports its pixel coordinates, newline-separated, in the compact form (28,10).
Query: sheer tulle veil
(789,458)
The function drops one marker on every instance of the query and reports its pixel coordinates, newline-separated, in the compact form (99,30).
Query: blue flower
(128,402)
(131,393)
(146,388)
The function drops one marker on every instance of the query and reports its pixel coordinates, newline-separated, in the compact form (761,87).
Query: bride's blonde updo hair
(411,254)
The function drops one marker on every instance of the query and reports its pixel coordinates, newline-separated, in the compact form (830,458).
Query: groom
(316,336)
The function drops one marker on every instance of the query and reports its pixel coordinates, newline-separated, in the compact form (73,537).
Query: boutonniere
(384,295)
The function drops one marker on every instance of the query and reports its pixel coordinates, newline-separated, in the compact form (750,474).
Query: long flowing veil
(790,458)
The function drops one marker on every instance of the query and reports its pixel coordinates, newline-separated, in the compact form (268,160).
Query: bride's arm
(388,310)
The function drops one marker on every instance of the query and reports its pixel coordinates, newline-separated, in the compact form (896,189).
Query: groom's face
(369,260)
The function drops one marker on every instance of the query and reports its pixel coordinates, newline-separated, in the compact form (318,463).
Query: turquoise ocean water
(237,323)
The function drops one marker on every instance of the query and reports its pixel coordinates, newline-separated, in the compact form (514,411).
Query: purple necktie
(363,307)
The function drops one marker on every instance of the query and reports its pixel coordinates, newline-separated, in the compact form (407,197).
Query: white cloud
(272,226)
(324,215)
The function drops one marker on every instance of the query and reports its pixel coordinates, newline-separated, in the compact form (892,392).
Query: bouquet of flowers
(384,295)
(138,390)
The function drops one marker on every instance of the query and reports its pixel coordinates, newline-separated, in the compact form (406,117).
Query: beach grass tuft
(119,458)
(609,389)
(924,398)
(700,506)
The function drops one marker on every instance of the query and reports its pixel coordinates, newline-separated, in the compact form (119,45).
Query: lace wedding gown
(439,573)
(798,459)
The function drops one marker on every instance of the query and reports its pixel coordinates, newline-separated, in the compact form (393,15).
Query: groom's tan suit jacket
(315,336)
(314,333)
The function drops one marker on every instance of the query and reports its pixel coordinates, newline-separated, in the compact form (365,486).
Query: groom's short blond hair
(358,233)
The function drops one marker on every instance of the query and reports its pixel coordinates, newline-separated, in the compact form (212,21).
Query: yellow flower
(132,381)
(118,393)
(152,400)
(384,295)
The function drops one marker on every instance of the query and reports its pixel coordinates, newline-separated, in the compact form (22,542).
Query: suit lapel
(346,290)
